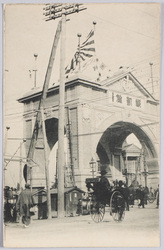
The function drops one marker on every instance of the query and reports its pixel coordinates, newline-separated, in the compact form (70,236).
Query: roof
(131,148)
(67,190)
(81,79)
(123,74)
(77,79)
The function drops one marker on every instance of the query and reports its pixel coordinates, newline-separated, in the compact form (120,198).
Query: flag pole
(79,35)
(94,29)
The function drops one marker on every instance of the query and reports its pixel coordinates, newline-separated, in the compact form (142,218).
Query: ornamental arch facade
(98,118)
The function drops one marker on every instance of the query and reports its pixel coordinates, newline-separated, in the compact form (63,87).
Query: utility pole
(70,146)
(55,11)
(46,166)
(41,103)
(151,68)
(20,170)
(61,158)
(5,147)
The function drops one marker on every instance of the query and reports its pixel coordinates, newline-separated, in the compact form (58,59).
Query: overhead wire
(145,12)
(22,113)
(91,100)
(86,101)
(122,27)
(139,62)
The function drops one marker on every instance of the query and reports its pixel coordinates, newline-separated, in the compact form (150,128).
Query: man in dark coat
(24,203)
(157,196)
(125,191)
(141,196)
(105,186)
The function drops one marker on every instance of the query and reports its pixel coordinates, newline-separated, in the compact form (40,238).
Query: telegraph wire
(101,132)
(143,62)
(19,114)
(133,70)
(118,25)
(145,12)
(88,101)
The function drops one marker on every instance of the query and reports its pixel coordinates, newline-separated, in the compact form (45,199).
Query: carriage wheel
(117,206)
(151,199)
(97,211)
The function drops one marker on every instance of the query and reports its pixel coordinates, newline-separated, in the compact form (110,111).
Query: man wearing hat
(141,195)
(105,185)
(24,203)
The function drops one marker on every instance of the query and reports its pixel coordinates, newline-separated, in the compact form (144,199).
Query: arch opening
(110,149)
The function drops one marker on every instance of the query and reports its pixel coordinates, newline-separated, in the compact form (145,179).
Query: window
(112,97)
(129,101)
(119,98)
(138,103)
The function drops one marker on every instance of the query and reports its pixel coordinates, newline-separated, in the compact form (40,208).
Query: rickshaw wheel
(151,199)
(97,211)
(117,206)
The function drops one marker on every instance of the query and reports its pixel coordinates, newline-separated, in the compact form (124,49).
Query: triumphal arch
(98,119)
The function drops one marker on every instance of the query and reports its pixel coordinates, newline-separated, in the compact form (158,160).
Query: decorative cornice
(55,89)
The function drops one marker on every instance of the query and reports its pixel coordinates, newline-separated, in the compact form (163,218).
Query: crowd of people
(132,193)
(17,205)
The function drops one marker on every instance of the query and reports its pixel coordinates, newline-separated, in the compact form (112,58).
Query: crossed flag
(86,50)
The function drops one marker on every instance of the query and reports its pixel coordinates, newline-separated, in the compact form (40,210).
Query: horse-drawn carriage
(103,195)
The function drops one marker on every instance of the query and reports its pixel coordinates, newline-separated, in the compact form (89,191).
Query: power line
(15,152)
(139,62)
(18,114)
(118,25)
(145,12)
(89,101)
(101,132)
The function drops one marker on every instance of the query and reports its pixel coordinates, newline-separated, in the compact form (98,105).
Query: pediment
(126,83)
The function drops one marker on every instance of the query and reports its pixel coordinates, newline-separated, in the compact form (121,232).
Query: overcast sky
(126,35)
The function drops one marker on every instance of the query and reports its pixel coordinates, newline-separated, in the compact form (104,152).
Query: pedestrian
(24,203)
(146,192)
(131,195)
(141,196)
(157,196)
(79,207)
(125,191)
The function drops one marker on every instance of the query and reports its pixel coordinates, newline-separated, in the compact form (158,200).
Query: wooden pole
(151,68)
(70,146)
(46,167)
(20,171)
(61,12)
(5,146)
(42,100)
(61,161)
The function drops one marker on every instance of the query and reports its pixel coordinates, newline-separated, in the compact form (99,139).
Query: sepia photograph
(81,125)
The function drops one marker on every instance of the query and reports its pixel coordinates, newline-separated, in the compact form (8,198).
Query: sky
(126,35)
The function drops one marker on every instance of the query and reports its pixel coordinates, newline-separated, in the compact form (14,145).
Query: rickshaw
(102,196)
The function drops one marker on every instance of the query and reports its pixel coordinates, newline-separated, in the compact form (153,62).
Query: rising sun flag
(84,51)
(85,59)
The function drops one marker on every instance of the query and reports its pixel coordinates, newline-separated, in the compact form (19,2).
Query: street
(140,228)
